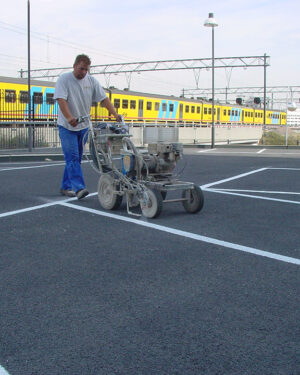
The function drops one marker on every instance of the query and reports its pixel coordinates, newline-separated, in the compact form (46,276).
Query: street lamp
(211,22)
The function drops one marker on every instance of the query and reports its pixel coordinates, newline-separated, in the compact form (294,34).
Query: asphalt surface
(85,293)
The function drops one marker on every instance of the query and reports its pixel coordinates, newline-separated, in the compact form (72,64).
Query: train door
(242,115)
(141,106)
(218,114)
(180,111)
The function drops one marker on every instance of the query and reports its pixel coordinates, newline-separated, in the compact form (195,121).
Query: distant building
(293,118)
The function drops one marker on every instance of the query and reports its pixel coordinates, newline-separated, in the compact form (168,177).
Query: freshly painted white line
(260,151)
(38,207)
(31,167)
(189,235)
(285,169)
(220,191)
(232,178)
(27,209)
(36,166)
(251,152)
(211,149)
(260,191)
(3,371)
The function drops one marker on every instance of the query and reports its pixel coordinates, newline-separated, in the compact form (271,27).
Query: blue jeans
(72,145)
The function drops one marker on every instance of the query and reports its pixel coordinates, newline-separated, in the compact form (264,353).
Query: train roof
(24,81)
(148,95)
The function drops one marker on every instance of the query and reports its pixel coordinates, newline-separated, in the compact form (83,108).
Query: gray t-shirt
(79,94)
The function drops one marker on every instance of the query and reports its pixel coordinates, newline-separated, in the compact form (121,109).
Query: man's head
(81,66)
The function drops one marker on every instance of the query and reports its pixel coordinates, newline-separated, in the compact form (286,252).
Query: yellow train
(136,107)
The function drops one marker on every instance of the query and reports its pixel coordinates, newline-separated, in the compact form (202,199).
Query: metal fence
(17,135)
(13,108)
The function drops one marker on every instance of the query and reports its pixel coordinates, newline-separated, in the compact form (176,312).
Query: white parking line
(232,178)
(211,149)
(259,191)
(38,207)
(3,371)
(38,166)
(220,191)
(189,235)
(31,167)
(260,151)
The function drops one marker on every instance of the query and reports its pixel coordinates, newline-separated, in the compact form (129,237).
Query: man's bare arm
(111,109)
(63,105)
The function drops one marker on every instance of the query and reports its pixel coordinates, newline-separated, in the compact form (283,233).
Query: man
(75,92)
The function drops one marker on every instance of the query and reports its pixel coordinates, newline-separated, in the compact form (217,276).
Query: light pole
(211,22)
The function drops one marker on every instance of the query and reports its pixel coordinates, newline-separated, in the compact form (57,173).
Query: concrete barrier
(47,136)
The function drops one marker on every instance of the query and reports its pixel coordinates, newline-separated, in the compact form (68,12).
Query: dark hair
(83,58)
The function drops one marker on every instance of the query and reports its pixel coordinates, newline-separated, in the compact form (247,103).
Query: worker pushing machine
(75,92)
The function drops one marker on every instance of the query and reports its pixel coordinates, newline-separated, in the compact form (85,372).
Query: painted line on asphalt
(233,178)
(31,167)
(37,166)
(220,191)
(185,234)
(259,191)
(40,206)
(260,151)
(3,371)
(211,149)
(284,169)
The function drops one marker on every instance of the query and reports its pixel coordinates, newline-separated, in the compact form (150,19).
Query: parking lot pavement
(88,291)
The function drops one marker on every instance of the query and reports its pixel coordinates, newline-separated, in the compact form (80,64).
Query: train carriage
(136,107)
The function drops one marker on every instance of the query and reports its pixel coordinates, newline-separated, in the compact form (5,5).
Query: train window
(198,109)
(205,110)
(232,112)
(164,106)
(171,107)
(187,108)
(209,111)
(117,103)
(236,113)
(193,109)
(50,99)
(229,112)
(10,96)
(149,106)
(157,106)
(224,112)
(23,97)
(125,103)
(132,104)
(37,97)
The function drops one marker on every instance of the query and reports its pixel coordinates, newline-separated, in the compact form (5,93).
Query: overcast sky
(142,30)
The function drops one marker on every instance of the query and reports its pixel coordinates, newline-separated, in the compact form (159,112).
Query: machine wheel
(107,198)
(195,199)
(153,207)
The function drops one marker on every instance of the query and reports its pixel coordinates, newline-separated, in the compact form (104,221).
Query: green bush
(275,139)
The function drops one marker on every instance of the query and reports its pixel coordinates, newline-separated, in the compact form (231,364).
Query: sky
(118,31)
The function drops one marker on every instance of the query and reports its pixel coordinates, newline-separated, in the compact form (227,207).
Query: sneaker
(82,193)
(68,193)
